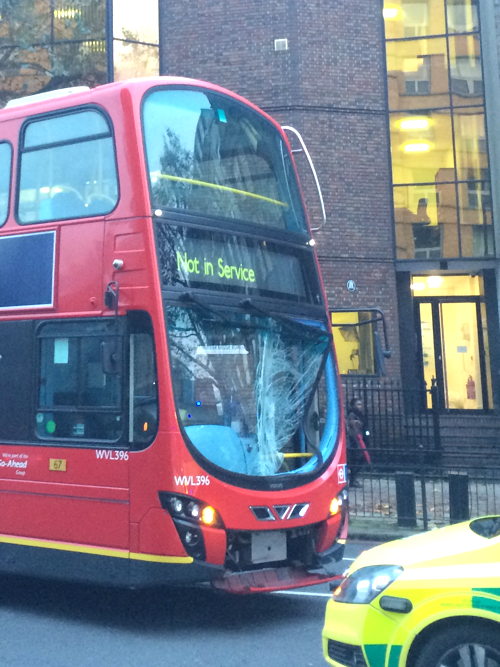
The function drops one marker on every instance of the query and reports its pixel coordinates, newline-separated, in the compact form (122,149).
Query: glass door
(453,351)
(462,373)
(428,349)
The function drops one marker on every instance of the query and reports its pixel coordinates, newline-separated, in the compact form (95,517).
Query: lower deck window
(97,381)
(78,397)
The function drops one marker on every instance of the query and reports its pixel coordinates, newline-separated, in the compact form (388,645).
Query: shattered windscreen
(252,390)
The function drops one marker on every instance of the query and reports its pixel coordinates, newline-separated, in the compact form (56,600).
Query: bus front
(257,487)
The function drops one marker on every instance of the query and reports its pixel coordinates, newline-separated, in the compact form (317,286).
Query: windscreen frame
(216,218)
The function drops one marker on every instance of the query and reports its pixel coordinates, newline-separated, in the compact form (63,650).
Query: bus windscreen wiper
(292,325)
(188,297)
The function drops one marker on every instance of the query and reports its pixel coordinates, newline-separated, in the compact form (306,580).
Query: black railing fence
(403,424)
(417,477)
(427,498)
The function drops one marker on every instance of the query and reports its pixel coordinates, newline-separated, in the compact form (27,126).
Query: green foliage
(44,45)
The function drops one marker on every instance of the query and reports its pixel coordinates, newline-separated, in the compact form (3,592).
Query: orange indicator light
(335,506)
(208,515)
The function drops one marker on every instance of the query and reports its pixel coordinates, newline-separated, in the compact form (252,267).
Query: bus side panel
(59,518)
(65,495)
(52,490)
(79,276)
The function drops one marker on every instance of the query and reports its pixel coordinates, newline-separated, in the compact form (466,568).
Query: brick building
(390,99)
(323,72)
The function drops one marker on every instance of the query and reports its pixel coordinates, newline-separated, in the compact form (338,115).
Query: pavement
(378,530)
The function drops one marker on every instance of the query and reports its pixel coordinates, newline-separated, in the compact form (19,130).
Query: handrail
(216,186)
(303,149)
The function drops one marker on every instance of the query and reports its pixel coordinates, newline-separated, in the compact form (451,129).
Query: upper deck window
(68,168)
(5,167)
(213,156)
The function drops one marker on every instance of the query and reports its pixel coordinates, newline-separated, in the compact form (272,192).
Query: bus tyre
(461,645)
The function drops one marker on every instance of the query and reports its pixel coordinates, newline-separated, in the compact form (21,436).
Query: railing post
(405,499)
(435,415)
(459,496)
(423,488)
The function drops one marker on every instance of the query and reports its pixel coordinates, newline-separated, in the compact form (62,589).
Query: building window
(479,193)
(416,19)
(462,15)
(135,39)
(417,82)
(466,77)
(438,133)
(43,45)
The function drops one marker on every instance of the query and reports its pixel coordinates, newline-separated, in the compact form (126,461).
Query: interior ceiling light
(417,286)
(417,147)
(390,13)
(434,281)
(414,123)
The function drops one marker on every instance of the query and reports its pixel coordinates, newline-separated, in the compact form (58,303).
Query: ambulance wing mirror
(302,148)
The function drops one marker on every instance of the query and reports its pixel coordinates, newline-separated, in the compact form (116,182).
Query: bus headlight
(190,509)
(190,516)
(177,506)
(193,510)
(363,585)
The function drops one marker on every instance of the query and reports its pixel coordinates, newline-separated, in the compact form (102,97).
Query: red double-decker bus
(169,403)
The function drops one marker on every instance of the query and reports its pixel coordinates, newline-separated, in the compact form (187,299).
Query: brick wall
(330,85)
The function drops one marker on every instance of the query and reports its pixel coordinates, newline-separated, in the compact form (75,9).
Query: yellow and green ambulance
(430,600)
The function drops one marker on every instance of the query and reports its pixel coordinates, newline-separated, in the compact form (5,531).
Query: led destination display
(195,258)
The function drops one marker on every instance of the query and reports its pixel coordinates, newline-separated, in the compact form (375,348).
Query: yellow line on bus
(216,186)
(96,551)
(161,559)
(298,455)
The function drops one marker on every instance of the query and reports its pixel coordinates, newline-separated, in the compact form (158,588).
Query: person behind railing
(357,433)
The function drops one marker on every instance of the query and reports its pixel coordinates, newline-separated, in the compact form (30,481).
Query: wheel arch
(442,624)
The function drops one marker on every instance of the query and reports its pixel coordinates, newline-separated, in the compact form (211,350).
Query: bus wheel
(461,646)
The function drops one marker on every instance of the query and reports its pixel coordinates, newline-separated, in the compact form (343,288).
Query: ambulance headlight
(365,584)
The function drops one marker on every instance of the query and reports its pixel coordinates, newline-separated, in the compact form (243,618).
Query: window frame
(24,150)
(120,332)
(377,352)
(219,220)
(4,219)
(67,329)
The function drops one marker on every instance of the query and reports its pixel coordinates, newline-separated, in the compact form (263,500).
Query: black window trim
(54,114)
(228,224)
(9,196)
(121,442)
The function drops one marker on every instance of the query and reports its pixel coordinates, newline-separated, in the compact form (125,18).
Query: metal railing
(404,424)
(410,479)
(425,497)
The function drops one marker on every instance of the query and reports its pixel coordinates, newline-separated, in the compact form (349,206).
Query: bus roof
(60,98)
(48,95)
